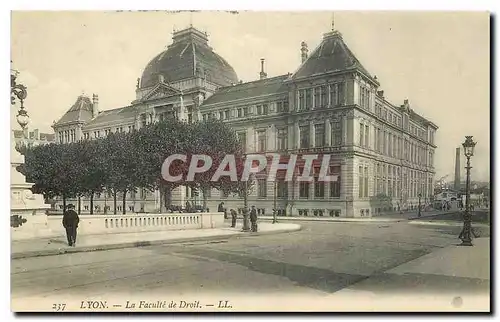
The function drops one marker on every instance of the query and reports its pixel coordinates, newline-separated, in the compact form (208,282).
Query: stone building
(32,138)
(381,154)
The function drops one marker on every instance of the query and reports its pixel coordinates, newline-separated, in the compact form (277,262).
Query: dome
(187,56)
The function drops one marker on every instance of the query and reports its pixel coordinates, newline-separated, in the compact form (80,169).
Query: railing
(113,224)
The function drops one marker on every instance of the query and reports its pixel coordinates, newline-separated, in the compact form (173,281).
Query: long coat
(253,215)
(70,219)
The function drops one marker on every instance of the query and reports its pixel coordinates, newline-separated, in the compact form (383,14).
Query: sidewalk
(394,217)
(58,245)
(453,278)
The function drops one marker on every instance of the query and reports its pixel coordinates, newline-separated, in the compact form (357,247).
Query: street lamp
(246,226)
(18,91)
(275,220)
(465,235)
(419,204)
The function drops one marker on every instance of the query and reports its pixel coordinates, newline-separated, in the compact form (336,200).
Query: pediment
(161,91)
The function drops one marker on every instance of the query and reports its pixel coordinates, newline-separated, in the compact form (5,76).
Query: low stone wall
(115,224)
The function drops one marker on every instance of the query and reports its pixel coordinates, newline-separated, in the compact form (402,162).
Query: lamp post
(275,220)
(419,204)
(466,233)
(246,226)
(18,91)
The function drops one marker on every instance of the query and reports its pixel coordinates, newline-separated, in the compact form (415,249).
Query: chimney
(456,184)
(304,51)
(406,102)
(161,79)
(95,105)
(263,74)
(380,93)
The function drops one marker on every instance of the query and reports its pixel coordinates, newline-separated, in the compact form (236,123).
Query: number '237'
(58,307)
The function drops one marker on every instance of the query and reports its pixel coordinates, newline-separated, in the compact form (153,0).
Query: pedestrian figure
(188,206)
(234,215)
(70,223)
(221,209)
(253,219)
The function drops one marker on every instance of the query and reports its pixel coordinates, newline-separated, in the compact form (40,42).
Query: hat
(70,206)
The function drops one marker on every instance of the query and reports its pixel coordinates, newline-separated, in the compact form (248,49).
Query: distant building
(32,138)
(330,105)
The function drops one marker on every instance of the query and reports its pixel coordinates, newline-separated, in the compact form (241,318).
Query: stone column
(328,133)
(312,138)
(344,130)
(290,138)
(271,138)
(251,139)
(296,135)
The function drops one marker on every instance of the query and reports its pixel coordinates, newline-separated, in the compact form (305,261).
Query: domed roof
(187,56)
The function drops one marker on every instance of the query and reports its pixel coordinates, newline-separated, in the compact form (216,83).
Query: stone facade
(380,153)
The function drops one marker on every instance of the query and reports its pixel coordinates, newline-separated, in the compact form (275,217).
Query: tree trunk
(79,205)
(64,202)
(114,201)
(162,200)
(124,201)
(92,202)
(167,191)
(205,198)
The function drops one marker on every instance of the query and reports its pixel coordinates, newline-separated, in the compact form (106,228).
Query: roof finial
(333,21)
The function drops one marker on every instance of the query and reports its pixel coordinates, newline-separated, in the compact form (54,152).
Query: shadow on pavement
(305,276)
(422,283)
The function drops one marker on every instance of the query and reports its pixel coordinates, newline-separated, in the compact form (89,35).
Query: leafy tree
(53,169)
(216,140)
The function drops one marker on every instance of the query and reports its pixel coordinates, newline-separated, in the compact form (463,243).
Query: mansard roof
(112,116)
(80,111)
(332,55)
(255,89)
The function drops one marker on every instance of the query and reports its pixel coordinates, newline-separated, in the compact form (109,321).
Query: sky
(440,61)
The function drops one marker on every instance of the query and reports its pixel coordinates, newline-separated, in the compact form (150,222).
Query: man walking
(221,209)
(253,219)
(233,218)
(70,223)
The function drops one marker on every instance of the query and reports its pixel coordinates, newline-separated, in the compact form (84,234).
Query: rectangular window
(245,111)
(340,94)
(334,95)
(366,182)
(304,189)
(242,136)
(226,114)
(265,109)
(304,136)
(361,134)
(240,112)
(367,136)
(309,98)
(259,109)
(360,182)
(282,139)
(279,107)
(281,189)
(336,133)
(324,97)
(317,97)
(335,185)
(319,135)
(261,141)
(285,105)
(319,186)
(262,186)
(302,104)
